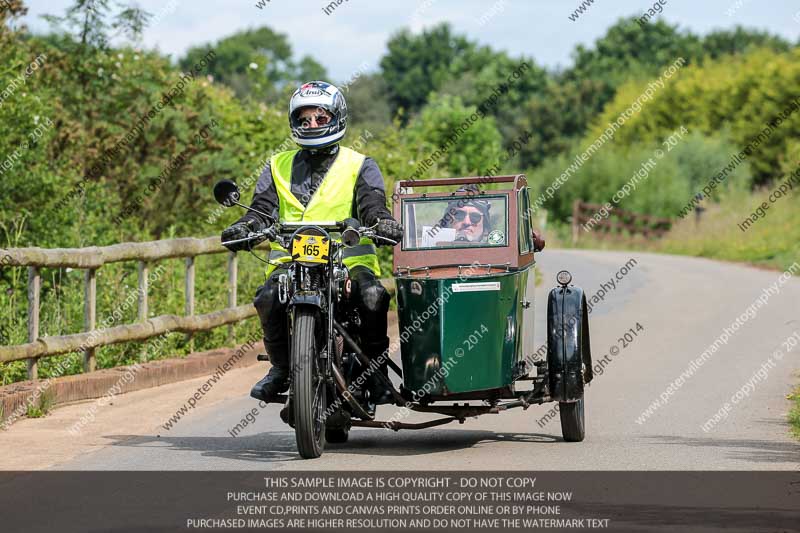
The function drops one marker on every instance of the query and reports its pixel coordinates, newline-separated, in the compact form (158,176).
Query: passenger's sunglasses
(474,217)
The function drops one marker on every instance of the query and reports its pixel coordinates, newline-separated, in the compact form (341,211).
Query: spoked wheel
(573,423)
(309,386)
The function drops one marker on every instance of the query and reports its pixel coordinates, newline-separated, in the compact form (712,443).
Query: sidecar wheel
(309,386)
(573,422)
(337,435)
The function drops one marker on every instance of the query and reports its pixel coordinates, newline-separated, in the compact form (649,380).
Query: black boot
(379,393)
(377,351)
(277,379)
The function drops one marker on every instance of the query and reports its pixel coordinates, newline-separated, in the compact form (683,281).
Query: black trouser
(367,295)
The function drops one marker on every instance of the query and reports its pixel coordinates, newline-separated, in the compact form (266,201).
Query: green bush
(452,139)
(51,198)
(738,94)
(664,190)
(771,241)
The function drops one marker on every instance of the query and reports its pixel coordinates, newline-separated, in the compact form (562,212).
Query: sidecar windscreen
(455,222)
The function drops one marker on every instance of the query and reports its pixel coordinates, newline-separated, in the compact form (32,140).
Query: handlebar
(277,230)
(372,235)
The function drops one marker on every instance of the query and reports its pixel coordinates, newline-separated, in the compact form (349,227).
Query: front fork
(326,312)
(283,289)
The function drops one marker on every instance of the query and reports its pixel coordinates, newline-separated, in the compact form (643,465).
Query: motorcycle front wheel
(309,385)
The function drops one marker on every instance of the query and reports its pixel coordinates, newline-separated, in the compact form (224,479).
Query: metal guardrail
(91,259)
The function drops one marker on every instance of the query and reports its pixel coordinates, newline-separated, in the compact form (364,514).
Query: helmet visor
(312,121)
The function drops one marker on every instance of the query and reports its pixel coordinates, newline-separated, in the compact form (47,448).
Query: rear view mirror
(350,237)
(226,193)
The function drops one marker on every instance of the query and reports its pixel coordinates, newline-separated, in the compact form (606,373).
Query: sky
(353,35)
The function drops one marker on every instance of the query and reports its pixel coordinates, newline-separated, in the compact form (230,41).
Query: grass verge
(46,402)
(794,413)
(772,241)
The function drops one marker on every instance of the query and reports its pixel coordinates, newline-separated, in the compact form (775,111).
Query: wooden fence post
(232,288)
(189,295)
(90,316)
(144,272)
(34,294)
(576,214)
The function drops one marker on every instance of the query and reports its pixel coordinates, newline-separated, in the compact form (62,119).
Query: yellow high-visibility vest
(333,200)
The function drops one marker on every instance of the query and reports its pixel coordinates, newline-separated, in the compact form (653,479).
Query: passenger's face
(468,221)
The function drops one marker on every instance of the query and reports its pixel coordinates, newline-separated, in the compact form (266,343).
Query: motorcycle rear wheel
(309,385)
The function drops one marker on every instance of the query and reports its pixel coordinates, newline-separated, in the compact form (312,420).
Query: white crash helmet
(318,94)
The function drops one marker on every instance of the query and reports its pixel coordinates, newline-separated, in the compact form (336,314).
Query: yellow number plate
(310,248)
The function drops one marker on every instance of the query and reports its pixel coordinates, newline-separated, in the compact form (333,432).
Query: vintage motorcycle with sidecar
(464,278)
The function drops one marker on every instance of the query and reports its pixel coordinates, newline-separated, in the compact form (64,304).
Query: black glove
(389,228)
(241,230)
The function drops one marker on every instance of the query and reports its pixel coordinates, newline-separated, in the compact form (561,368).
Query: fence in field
(93,258)
(598,219)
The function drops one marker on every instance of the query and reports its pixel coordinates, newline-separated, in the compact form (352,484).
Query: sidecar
(465,281)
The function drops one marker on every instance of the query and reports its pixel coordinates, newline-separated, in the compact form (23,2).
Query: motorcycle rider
(320,181)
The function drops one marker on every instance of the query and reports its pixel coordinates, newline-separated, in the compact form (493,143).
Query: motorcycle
(330,371)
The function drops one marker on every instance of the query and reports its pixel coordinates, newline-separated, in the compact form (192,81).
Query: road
(681,305)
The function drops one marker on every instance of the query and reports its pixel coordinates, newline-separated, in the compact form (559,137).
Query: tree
(10,9)
(629,49)
(75,175)
(466,144)
(438,63)
(85,28)
(417,65)
(557,116)
(751,96)
(256,63)
(497,84)
(664,185)
(368,102)
(740,41)
(309,69)
(90,22)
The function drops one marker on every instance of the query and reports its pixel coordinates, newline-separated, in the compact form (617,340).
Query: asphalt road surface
(681,305)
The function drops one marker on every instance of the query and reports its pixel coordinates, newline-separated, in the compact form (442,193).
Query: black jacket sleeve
(370,194)
(265,198)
